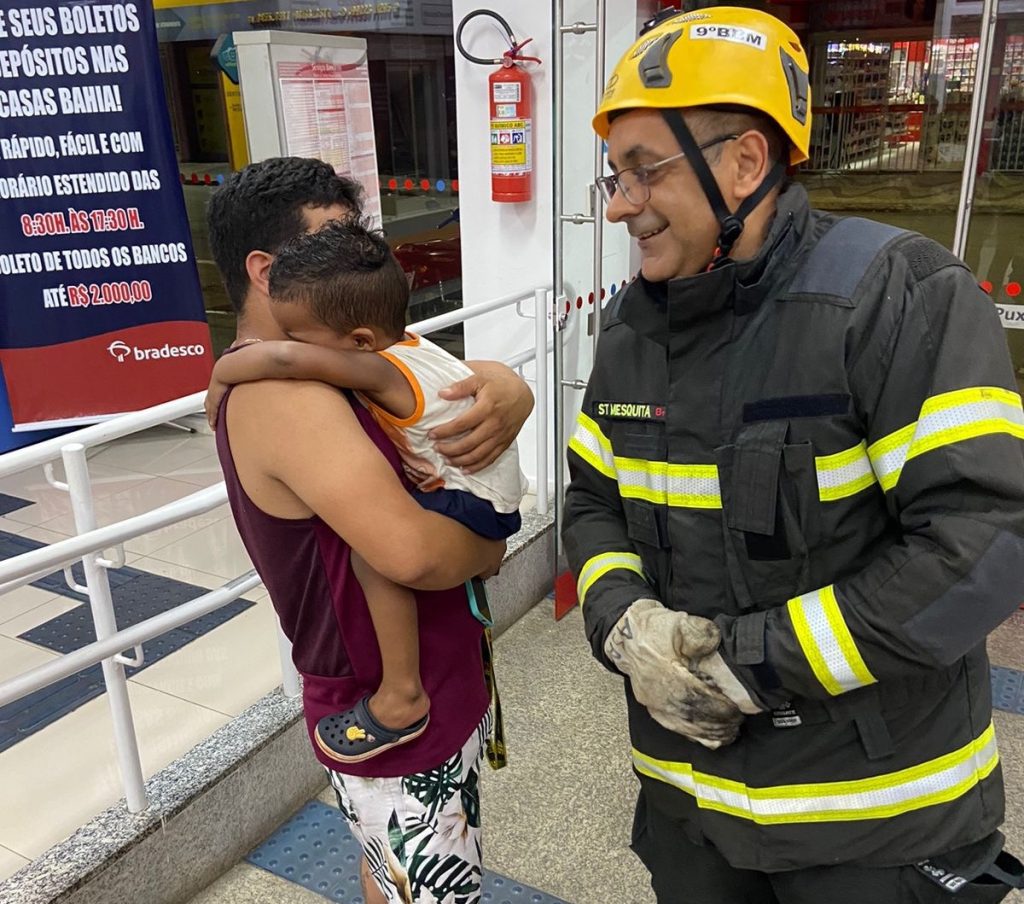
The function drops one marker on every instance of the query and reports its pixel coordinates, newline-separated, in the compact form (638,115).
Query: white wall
(509,247)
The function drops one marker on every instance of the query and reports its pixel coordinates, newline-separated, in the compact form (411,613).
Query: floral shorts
(421,833)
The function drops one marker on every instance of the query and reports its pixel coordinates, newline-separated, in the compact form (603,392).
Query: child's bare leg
(400,700)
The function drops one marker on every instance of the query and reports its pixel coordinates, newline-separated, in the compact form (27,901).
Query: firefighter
(796,505)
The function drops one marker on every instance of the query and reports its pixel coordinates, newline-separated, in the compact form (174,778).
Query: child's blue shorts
(475,513)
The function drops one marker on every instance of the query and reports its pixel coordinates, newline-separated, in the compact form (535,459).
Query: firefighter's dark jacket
(820,449)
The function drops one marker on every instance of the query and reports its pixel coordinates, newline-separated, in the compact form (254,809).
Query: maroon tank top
(306,568)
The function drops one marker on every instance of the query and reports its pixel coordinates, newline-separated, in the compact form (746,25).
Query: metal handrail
(71,663)
(989,20)
(115,428)
(442,321)
(28,566)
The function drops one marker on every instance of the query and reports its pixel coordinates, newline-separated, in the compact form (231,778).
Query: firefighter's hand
(655,646)
(502,403)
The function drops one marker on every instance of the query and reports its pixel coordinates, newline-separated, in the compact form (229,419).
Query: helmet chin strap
(730,224)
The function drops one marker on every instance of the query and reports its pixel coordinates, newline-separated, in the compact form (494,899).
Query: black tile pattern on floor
(137,596)
(1008,690)
(10,504)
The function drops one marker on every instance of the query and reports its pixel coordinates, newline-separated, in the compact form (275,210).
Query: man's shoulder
(852,256)
(298,410)
(263,396)
(276,426)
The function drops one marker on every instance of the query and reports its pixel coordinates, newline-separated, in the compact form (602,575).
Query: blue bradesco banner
(100,306)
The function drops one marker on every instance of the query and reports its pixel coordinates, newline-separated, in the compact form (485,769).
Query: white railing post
(540,297)
(289,674)
(102,605)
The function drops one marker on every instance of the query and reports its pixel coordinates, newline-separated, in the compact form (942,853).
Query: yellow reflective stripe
(965,414)
(679,486)
(590,444)
(945,419)
(889,454)
(844,474)
(883,796)
(827,642)
(598,566)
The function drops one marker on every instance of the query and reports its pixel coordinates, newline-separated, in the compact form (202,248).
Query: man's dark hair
(262,206)
(347,276)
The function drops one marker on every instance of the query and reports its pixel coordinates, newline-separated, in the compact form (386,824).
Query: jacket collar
(656,310)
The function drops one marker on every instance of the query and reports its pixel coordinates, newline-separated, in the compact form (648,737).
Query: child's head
(339,284)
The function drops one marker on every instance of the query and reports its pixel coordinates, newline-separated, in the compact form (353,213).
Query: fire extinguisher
(510,93)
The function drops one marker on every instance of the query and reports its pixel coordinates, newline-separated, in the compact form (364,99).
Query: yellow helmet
(721,55)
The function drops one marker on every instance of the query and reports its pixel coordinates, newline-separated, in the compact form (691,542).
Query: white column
(508,247)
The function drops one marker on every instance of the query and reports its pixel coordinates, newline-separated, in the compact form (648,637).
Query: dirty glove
(713,669)
(654,646)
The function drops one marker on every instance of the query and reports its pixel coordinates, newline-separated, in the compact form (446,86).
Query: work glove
(655,646)
(714,670)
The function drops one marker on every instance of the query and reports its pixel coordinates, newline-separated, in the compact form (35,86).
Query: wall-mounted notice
(308,95)
(100,306)
(328,115)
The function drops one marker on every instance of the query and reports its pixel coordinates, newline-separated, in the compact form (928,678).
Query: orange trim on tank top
(417,392)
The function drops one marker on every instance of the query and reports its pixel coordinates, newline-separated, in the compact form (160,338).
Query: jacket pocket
(647,521)
(646,527)
(770,513)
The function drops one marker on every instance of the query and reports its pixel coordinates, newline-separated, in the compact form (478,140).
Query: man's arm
(477,437)
(305,438)
(937,392)
(609,572)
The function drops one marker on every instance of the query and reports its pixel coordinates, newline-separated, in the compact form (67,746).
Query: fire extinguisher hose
(509,57)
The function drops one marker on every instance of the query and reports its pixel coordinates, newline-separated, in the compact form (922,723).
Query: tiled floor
(58,778)
(558,818)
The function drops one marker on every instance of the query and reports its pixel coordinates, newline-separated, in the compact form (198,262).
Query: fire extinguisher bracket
(510,98)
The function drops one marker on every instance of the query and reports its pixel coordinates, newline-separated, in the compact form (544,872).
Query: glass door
(994,218)
(892,85)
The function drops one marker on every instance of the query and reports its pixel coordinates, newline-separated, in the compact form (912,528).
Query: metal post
(289,675)
(540,300)
(125,741)
(558,293)
(989,16)
(598,171)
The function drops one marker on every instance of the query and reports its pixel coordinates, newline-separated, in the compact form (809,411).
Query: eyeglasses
(635,182)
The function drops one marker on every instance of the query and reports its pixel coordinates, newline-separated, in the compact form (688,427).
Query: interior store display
(905,105)
(853,91)
(1008,138)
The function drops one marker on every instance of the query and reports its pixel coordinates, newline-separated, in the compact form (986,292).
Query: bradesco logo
(122,352)
(119,350)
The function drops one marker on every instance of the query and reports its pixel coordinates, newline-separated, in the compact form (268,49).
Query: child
(342,297)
